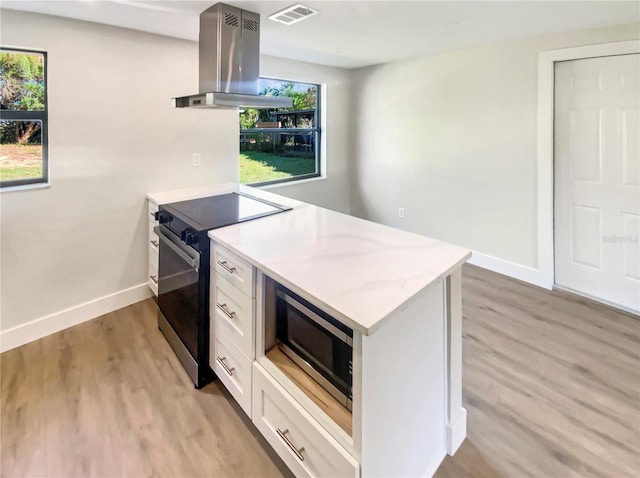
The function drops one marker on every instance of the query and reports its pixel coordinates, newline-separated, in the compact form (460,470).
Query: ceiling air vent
(293,14)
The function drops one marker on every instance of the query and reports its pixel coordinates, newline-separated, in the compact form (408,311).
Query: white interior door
(597,178)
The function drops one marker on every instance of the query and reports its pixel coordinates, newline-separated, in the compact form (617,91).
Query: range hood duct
(229,50)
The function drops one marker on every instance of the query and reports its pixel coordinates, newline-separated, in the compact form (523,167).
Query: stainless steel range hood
(229,47)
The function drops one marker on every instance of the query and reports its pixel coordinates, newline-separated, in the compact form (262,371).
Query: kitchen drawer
(236,270)
(153,270)
(233,368)
(233,313)
(306,447)
(152,234)
(153,207)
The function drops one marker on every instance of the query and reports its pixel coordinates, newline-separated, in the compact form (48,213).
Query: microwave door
(318,347)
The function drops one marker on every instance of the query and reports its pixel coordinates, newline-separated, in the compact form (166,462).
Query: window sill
(290,183)
(25,187)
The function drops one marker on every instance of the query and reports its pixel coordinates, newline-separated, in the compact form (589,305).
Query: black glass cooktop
(218,211)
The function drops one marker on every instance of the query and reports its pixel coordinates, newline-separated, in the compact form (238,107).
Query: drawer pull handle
(298,452)
(154,243)
(226,267)
(225,311)
(154,279)
(224,365)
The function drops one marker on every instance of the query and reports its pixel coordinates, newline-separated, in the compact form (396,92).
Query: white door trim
(546,61)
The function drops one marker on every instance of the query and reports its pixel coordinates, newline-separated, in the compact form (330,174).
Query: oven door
(178,288)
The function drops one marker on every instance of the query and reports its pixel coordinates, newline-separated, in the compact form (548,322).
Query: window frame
(317,130)
(22,115)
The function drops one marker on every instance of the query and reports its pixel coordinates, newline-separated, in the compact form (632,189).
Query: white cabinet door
(233,313)
(232,367)
(306,447)
(597,178)
(233,268)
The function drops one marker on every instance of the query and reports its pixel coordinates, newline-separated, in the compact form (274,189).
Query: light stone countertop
(358,271)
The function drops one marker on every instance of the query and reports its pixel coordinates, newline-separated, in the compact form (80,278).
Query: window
(23,117)
(281,144)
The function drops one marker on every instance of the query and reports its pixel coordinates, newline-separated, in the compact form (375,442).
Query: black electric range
(184,274)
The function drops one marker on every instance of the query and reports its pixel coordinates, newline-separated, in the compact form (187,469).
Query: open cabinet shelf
(334,409)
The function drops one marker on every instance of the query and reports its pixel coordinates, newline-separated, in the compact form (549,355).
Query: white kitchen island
(399,292)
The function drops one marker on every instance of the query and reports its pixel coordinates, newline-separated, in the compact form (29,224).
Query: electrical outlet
(401,212)
(197,159)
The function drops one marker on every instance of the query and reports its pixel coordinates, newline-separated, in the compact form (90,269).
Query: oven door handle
(182,253)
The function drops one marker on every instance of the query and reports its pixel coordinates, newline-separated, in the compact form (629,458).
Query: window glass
(22,77)
(21,150)
(23,117)
(281,144)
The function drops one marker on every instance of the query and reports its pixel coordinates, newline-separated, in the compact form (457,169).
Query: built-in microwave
(319,344)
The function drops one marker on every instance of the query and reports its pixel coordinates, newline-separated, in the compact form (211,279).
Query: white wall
(113,138)
(452,138)
(333,191)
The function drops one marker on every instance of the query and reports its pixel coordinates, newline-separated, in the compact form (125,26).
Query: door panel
(586,150)
(630,125)
(597,178)
(630,256)
(586,230)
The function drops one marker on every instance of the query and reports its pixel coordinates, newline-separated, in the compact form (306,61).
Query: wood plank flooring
(551,384)
(108,398)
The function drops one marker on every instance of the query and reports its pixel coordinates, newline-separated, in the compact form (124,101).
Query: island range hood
(229,48)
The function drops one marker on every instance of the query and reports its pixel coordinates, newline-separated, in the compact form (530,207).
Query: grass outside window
(257,167)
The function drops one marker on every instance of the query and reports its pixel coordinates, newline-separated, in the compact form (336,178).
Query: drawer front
(233,314)
(153,270)
(306,448)
(153,237)
(153,207)
(233,368)
(236,270)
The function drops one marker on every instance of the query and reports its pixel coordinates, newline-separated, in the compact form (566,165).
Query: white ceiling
(352,34)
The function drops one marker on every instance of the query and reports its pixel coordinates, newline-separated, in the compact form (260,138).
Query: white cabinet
(300,440)
(407,413)
(304,445)
(153,249)
(232,326)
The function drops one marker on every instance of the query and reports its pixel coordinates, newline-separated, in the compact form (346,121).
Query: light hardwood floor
(551,383)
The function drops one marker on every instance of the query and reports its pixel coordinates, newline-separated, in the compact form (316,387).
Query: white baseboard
(456,432)
(38,328)
(511,269)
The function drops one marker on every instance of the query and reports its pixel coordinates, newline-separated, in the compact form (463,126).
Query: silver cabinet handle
(154,279)
(154,243)
(226,267)
(225,311)
(297,451)
(224,365)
